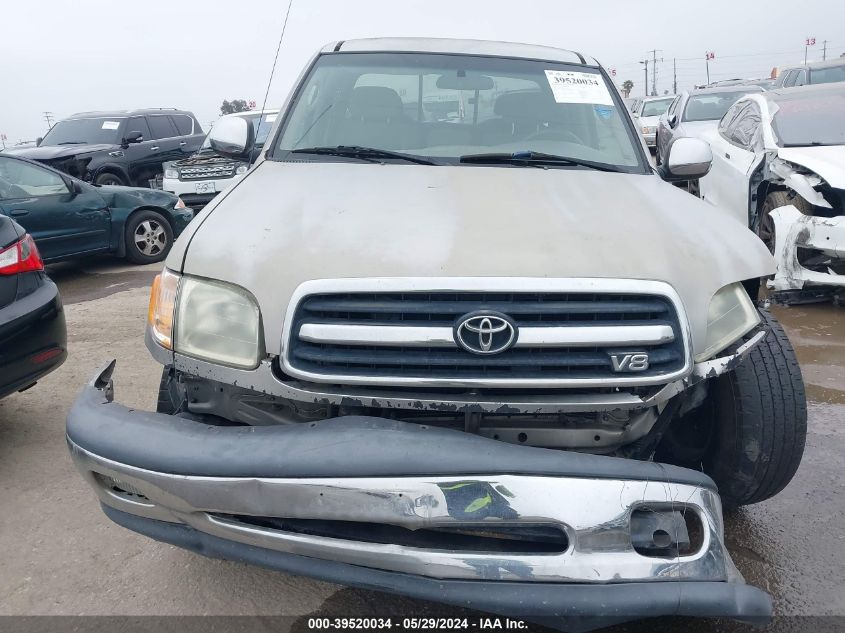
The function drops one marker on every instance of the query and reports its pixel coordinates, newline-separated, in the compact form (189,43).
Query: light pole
(645,85)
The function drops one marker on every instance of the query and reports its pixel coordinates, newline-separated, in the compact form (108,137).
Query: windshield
(712,106)
(84,131)
(444,107)
(656,107)
(812,120)
(827,75)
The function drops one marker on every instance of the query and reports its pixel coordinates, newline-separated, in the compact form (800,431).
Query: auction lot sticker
(575,87)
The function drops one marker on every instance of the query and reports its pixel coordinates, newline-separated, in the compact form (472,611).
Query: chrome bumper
(178,476)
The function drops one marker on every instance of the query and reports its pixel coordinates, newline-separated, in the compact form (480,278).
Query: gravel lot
(61,556)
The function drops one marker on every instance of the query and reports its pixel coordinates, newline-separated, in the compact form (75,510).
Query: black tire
(765,225)
(752,428)
(148,237)
(169,401)
(109,179)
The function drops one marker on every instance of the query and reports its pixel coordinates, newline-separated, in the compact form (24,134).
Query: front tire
(752,428)
(766,225)
(148,237)
(109,179)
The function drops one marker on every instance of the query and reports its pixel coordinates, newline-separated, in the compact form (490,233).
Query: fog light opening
(666,532)
(120,488)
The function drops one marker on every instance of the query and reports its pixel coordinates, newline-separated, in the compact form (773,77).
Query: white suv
(199,178)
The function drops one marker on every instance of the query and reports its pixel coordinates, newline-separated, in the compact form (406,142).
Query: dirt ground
(61,556)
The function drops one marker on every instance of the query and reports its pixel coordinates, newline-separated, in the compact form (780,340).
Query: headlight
(214,321)
(180,204)
(242,168)
(173,174)
(648,129)
(732,314)
(218,322)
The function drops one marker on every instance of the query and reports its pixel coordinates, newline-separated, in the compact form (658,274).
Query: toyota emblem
(485,332)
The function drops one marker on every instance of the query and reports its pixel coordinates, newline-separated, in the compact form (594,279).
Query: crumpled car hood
(827,161)
(52,152)
(286,223)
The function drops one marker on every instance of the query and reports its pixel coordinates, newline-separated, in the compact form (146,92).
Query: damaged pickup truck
(779,166)
(492,360)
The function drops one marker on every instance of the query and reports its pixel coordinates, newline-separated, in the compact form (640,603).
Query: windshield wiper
(365,153)
(71,143)
(538,159)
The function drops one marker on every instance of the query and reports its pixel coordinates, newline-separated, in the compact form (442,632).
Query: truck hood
(827,161)
(52,152)
(286,223)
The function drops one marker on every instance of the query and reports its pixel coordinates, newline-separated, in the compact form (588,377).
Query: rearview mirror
(463,81)
(38,141)
(133,137)
(688,159)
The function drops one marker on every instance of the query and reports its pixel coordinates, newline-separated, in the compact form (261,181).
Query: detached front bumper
(824,236)
(369,502)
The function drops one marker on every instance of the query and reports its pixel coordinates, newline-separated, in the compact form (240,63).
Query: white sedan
(779,166)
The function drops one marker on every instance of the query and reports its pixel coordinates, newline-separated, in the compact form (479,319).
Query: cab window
(138,124)
(19,179)
(161,127)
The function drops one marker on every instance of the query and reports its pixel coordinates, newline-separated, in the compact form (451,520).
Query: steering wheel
(556,135)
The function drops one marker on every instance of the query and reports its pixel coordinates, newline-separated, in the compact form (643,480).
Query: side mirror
(73,186)
(687,159)
(133,137)
(673,120)
(38,141)
(231,136)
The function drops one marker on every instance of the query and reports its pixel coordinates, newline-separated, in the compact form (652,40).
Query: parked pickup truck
(493,360)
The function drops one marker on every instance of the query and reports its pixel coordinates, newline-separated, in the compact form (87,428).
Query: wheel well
(121,249)
(764,188)
(113,170)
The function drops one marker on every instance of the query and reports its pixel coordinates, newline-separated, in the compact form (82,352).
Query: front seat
(375,117)
(520,114)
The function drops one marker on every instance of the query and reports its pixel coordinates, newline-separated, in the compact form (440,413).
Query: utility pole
(810,41)
(645,85)
(674,76)
(48,116)
(824,50)
(654,61)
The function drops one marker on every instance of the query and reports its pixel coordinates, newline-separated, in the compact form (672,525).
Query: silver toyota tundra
(453,337)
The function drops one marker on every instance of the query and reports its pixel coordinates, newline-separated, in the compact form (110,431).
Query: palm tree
(627,86)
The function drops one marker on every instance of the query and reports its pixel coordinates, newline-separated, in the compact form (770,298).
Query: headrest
(522,105)
(375,102)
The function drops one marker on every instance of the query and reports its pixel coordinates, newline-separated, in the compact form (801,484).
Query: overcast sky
(113,54)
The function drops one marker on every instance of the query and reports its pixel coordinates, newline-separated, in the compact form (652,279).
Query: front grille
(209,172)
(326,358)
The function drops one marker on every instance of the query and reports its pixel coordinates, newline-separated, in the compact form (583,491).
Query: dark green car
(70,218)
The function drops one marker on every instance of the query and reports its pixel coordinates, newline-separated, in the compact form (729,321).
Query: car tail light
(20,257)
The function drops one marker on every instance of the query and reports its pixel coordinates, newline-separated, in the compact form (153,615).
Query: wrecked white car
(779,166)
(494,361)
